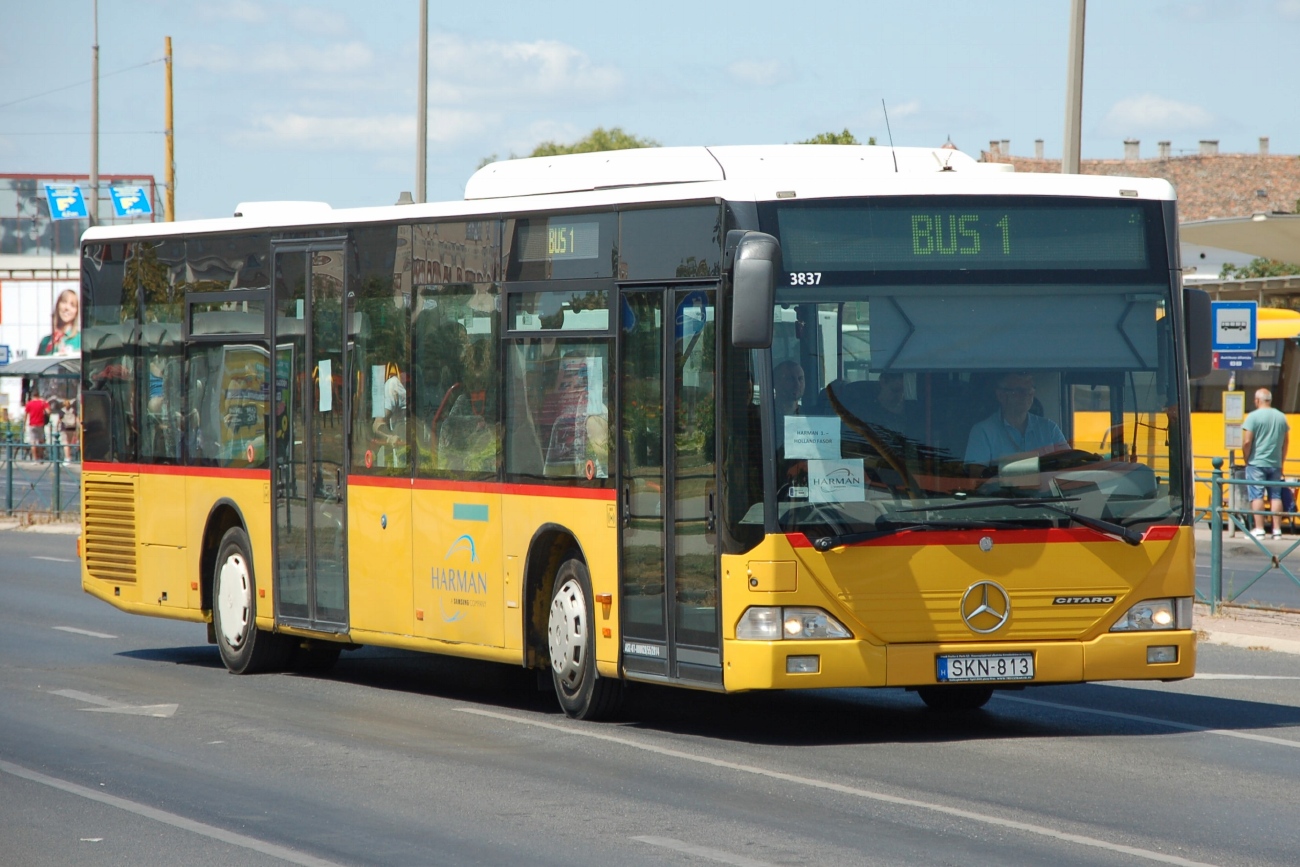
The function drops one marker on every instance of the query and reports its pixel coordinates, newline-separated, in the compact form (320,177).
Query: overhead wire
(80,83)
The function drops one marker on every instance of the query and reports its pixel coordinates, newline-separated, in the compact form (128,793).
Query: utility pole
(169,137)
(94,123)
(1073,90)
(422,113)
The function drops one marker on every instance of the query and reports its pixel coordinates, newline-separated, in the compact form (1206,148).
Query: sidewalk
(1252,628)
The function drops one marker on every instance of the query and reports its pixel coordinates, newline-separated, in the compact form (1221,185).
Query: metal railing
(1236,519)
(40,479)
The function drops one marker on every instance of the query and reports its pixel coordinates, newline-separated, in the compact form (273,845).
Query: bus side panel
(164,580)
(379,570)
(252,497)
(458,567)
(593,521)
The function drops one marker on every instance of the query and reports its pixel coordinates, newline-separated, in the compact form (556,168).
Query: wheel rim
(568,634)
(234,600)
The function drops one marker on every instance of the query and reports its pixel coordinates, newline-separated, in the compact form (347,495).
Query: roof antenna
(892,152)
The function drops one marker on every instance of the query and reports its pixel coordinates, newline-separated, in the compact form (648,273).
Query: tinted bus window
(381,319)
(667,243)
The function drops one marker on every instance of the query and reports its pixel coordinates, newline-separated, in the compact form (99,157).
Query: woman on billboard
(65,326)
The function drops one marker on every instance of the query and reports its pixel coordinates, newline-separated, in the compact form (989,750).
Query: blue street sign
(1234,361)
(66,202)
(130,201)
(4,353)
(1234,326)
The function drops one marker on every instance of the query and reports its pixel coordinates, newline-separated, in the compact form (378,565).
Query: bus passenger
(1012,429)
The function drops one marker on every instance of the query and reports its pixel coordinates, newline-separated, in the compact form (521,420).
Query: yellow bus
(729,418)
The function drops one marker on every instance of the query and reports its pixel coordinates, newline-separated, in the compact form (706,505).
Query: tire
(948,699)
(582,692)
(245,649)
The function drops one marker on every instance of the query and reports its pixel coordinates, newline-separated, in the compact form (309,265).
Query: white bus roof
(677,174)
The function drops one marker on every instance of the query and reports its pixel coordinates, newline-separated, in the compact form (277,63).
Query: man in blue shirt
(1012,430)
(1265,437)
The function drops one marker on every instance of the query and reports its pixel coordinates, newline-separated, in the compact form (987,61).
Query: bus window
(557,409)
(381,302)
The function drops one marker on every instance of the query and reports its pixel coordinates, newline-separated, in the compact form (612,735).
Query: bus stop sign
(1234,326)
(66,202)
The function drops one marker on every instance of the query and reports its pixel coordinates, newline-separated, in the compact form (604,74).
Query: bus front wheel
(956,697)
(245,649)
(582,692)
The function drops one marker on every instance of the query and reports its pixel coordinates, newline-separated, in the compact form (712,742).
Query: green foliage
(841,138)
(599,139)
(1259,267)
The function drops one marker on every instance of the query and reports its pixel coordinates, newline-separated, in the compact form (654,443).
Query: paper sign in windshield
(836,481)
(812,436)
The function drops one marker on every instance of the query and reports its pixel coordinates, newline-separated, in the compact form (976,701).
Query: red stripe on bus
(173,470)
(561,492)
(926,538)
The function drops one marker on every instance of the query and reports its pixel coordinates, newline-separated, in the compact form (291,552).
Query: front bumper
(751,665)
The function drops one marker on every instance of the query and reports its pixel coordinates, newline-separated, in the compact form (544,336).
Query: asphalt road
(124,742)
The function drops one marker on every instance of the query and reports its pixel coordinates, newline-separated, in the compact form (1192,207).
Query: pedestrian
(38,416)
(1265,437)
(68,422)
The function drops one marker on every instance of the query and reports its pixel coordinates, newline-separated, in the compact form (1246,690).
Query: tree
(599,139)
(841,138)
(1259,267)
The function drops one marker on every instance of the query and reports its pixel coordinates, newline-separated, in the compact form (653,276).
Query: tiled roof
(1222,185)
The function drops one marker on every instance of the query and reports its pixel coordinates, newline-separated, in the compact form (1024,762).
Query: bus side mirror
(1198,327)
(756,262)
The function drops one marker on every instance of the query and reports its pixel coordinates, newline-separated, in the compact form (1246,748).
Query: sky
(277,99)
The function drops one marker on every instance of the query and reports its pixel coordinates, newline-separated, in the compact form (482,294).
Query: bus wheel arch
(547,550)
(230,592)
(224,516)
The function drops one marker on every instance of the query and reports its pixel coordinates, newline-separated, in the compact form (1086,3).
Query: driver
(1012,429)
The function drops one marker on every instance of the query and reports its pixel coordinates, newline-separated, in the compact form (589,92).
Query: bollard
(1216,534)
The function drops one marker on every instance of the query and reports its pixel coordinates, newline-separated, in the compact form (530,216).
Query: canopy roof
(48,366)
(1272,236)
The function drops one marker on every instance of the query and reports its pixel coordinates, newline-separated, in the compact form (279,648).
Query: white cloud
(345,57)
(237,11)
(1151,113)
(319,22)
(757,73)
(474,71)
(377,133)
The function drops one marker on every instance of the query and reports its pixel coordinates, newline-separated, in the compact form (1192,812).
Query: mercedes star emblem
(985,607)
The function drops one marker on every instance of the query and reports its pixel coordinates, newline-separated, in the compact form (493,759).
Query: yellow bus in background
(691,416)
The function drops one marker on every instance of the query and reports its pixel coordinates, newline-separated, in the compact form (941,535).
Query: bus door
(309,447)
(667,483)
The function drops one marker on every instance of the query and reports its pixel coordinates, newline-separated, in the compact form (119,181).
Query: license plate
(986,666)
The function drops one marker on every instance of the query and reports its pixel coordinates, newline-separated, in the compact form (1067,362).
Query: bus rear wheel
(956,697)
(244,648)
(582,692)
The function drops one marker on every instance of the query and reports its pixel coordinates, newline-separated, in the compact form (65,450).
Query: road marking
(1227,733)
(868,794)
(703,852)
(202,828)
(107,705)
(54,559)
(1202,675)
(75,631)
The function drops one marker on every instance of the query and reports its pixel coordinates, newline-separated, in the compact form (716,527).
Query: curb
(1250,642)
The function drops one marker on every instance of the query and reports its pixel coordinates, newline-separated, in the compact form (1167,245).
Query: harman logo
(1083,600)
(467,582)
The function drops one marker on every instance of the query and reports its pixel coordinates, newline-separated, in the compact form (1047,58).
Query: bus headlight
(772,623)
(1151,615)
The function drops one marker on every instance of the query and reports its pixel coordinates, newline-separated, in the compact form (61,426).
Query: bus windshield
(1029,391)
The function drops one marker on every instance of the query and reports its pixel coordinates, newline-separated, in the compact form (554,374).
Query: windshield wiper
(826,543)
(1126,534)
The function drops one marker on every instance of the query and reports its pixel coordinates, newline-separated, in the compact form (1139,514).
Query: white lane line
(201,828)
(703,852)
(54,559)
(106,705)
(1203,675)
(1150,720)
(984,818)
(75,631)
(78,695)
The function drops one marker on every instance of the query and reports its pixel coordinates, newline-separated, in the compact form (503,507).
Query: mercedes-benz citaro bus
(731,418)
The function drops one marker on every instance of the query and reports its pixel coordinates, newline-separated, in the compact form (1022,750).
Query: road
(124,742)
